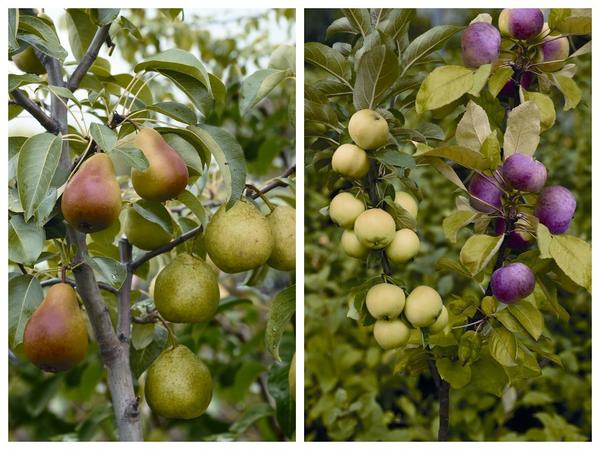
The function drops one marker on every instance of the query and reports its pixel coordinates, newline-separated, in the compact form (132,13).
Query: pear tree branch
(21,99)
(101,285)
(88,59)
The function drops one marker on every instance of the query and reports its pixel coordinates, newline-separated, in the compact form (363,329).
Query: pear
(283,225)
(92,198)
(292,377)
(142,233)
(55,338)
(239,239)
(187,290)
(28,62)
(178,384)
(167,175)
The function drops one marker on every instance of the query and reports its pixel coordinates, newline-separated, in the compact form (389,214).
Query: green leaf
(196,92)
(359,19)
(455,221)
(529,317)
(179,61)
(81,31)
(397,21)
(172,13)
(195,205)
(498,79)
(463,156)
(284,58)
(480,79)
(473,128)
(250,416)
(522,130)
(427,43)
(24,295)
(488,376)
(104,137)
(229,156)
(503,346)
(188,152)
(329,60)
(131,156)
(61,92)
(104,16)
(279,388)
(38,161)
(13,24)
(16,81)
(41,35)
(546,107)
(258,85)
(281,311)
(108,270)
(442,86)
(341,25)
(155,212)
(377,71)
(453,372)
(574,257)
(140,360)
(571,21)
(569,89)
(490,149)
(175,110)
(478,251)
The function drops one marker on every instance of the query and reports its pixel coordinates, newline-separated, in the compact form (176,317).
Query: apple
(391,334)
(350,161)
(344,209)
(486,195)
(407,202)
(385,301)
(521,23)
(524,173)
(352,246)
(368,129)
(423,306)
(512,283)
(403,247)
(480,44)
(555,208)
(440,323)
(375,228)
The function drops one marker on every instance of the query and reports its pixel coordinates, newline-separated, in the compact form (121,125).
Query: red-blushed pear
(143,233)
(55,338)
(92,198)
(167,175)
(178,384)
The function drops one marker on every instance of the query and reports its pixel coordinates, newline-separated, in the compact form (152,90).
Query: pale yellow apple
(368,129)
(391,334)
(375,228)
(345,208)
(403,247)
(423,306)
(408,202)
(385,301)
(350,161)
(440,323)
(352,246)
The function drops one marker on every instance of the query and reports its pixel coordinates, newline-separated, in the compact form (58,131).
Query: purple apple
(516,239)
(480,44)
(524,173)
(554,48)
(486,195)
(510,88)
(555,208)
(521,23)
(512,283)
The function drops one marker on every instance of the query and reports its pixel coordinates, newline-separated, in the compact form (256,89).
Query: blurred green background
(351,390)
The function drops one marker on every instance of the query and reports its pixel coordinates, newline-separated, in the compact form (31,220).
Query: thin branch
(88,59)
(101,285)
(165,248)
(21,99)
(124,325)
(274,184)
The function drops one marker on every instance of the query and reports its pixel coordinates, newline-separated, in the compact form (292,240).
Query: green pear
(142,233)
(423,306)
(368,129)
(239,239)
(178,384)
(55,338)
(187,290)
(292,377)
(28,62)
(283,225)
(92,198)
(167,175)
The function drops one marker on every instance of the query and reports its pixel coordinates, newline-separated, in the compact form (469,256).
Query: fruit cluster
(531,47)
(238,239)
(371,229)
(508,195)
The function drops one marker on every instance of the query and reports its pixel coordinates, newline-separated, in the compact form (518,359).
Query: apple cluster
(395,314)
(503,196)
(540,48)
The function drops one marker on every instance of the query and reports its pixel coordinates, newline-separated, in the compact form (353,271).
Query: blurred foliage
(353,389)
(250,389)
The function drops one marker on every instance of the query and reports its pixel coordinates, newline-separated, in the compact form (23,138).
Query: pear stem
(262,195)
